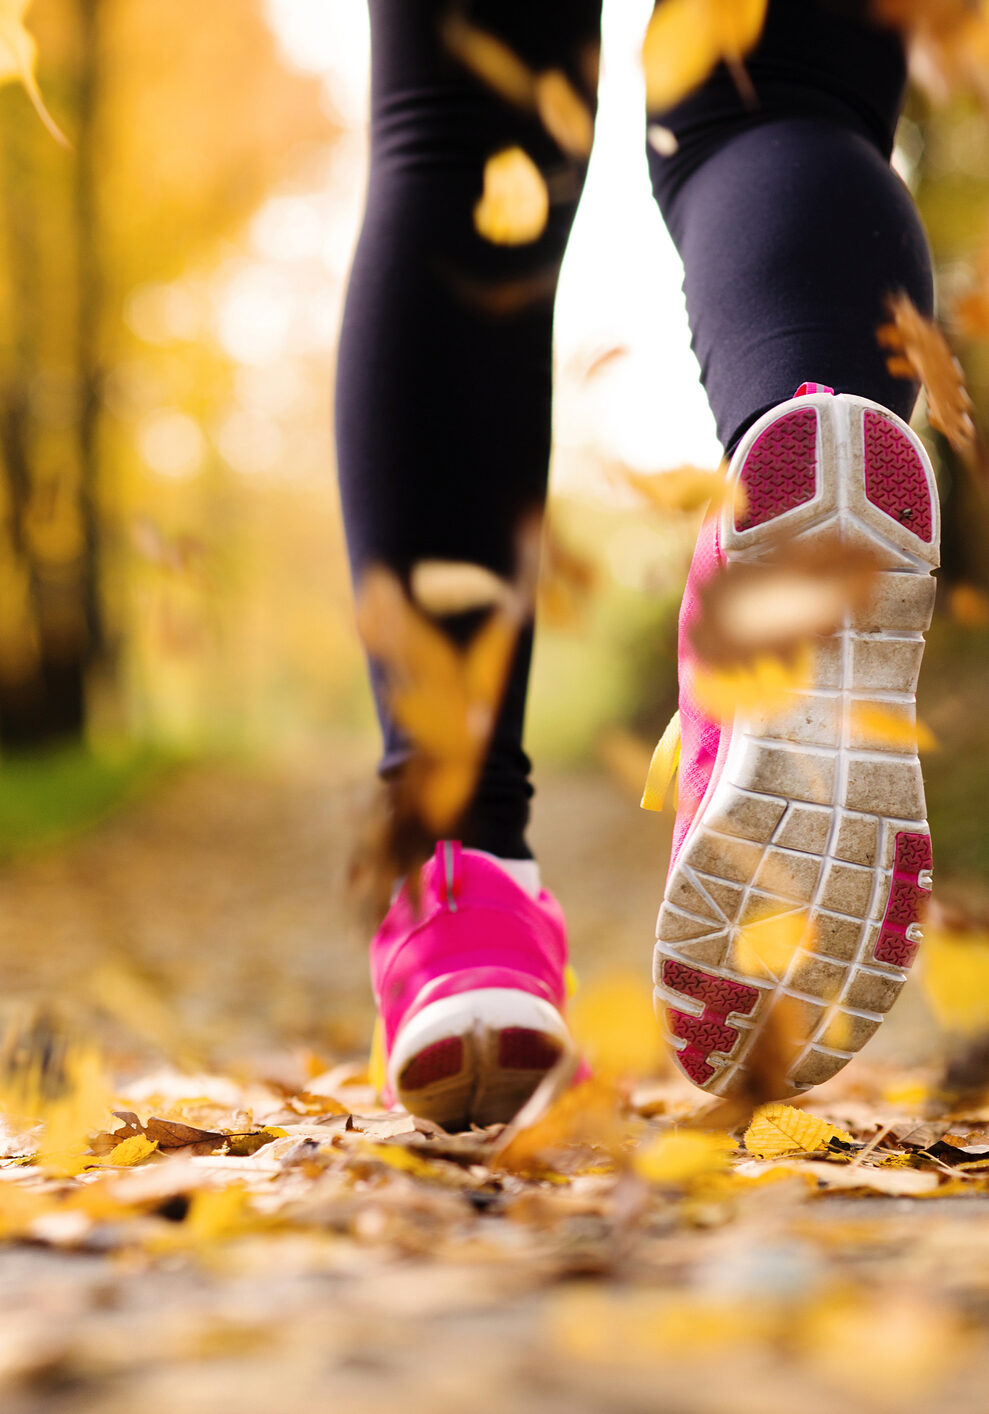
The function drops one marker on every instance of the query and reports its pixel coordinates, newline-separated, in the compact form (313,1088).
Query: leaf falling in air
(565,115)
(766,686)
(514,205)
(662,140)
(767,946)
(680,1158)
(872,725)
(969,605)
(445,698)
(682,488)
(18,54)
(489,59)
(615,1024)
(687,38)
(918,349)
(949,42)
(550,94)
(454,587)
(802,592)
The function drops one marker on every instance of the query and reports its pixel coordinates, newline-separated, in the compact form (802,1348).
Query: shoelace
(663,768)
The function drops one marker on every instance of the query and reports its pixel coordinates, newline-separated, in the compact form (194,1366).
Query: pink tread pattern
(520,1048)
(907,897)
(780,471)
(439,1061)
(895,480)
(711,1031)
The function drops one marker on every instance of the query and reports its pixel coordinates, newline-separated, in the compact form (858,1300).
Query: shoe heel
(475,1058)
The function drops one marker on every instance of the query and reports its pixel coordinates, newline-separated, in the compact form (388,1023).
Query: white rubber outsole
(813,815)
(477,1056)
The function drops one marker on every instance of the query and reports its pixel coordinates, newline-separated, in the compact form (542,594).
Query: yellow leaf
(678,1158)
(489,59)
(395,1156)
(893,725)
(453,587)
(663,767)
(969,605)
(686,38)
(682,488)
(907,1094)
(127,1153)
(766,947)
(780,1129)
(514,206)
(766,687)
(18,53)
(585,1114)
(614,1021)
(566,117)
(956,979)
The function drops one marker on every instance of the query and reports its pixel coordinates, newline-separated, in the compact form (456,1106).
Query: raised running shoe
(812,814)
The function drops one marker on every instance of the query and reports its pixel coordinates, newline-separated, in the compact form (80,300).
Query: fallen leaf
(779,1129)
(127,1153)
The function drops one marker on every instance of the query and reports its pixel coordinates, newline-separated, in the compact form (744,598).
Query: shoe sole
(812,817)
(476,1057)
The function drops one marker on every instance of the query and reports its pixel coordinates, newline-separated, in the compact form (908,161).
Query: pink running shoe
(470,991)
(807,813)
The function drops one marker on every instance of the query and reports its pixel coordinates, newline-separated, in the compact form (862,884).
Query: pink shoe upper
(700,737)
(474,927)
(703,742)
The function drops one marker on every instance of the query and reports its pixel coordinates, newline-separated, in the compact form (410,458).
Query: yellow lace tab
(663,767)
(377,1064)
(570,980)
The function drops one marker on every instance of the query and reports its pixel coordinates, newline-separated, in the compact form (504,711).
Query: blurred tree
(181,118)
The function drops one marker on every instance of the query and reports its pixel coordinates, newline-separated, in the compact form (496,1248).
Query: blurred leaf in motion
(749,611)
(444,697)
(514,205)
(18,54)
(614,1021)
(489,59)
(918,349)
(683,488)
(687,38)
(675,1160)
(565,115)
(454,587)
(873,725)
(766,686)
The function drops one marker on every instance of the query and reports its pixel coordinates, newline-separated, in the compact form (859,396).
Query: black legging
(790,223)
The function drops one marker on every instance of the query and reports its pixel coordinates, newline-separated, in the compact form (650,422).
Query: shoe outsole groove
(811,816)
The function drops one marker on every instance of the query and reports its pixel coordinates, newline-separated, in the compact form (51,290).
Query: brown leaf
(172,1134)
(918,349)
(772,608)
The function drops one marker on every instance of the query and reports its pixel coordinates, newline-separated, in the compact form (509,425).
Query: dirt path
(358,1265)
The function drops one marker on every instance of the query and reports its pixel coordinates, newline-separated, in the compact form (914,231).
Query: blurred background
(186,737)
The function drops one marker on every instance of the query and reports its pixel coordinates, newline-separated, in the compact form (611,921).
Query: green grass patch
(48,797)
